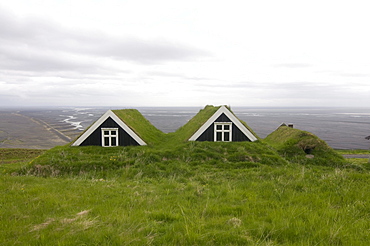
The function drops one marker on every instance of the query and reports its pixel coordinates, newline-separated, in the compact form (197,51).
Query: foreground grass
(188,203)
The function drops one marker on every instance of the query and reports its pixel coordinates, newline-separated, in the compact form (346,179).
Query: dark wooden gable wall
(95,138)
(237,135)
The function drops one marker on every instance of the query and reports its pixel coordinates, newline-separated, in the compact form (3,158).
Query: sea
(341,128)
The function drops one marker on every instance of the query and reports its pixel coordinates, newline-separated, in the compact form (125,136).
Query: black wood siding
(124,139)
(207,135)
(237,135)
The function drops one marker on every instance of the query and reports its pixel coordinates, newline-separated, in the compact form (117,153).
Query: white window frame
(222,130)
(110,136)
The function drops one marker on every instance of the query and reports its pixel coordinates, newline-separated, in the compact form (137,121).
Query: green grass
(268,192)
(12,159)
(188,203)
(16,155)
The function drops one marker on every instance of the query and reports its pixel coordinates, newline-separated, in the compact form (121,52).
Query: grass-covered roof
(140,125)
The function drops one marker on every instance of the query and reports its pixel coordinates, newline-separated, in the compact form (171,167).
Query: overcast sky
(184,53)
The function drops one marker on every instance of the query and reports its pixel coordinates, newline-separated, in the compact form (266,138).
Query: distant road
(48,127)
(356,156)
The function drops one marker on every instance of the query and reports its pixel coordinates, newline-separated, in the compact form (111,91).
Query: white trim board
(100,121)
(231,116)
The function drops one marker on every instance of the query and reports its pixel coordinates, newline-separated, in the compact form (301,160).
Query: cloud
(23,58)
(32,44)
(358,72)
(293,65)
(178,75)
(168,54)
(146,51)
(355,75)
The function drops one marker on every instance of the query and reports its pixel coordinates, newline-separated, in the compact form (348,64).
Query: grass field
(144,196)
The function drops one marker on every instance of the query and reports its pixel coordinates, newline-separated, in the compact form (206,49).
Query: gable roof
(98,123)
(223,110)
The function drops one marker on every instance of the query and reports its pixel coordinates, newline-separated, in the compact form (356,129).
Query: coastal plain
(20,131)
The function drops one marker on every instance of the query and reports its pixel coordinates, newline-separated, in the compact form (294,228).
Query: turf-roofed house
(223,126)
(128,127)
(125,127)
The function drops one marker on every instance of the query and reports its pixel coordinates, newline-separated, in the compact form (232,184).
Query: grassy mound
(303,147)
(95,160)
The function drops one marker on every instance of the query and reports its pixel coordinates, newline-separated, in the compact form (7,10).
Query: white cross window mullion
(223,132)
(109,137)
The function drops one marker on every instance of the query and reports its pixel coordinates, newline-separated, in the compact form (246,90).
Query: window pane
(106,141)
(106,132)
(219,136)
(113,132)
(218,127)
(226,127)
(226,136)
(114,142)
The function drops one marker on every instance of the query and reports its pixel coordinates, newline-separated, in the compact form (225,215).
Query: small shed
(223,126)
(109,130)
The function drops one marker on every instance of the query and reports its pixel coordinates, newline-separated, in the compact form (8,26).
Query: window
(223,132)
(109,137)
